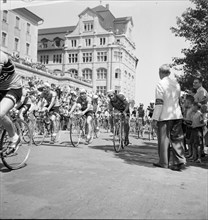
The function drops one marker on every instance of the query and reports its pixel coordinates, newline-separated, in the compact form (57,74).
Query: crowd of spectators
(42,67)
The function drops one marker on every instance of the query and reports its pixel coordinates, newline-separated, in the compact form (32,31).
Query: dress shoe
(159,165)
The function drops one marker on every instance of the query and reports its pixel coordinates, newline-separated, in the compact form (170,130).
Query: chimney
(107,6)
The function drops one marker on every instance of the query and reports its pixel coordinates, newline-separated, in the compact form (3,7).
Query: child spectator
(187,116)
(197,132)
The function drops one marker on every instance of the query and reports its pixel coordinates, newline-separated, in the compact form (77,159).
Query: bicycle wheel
(75,133)
(39,133)
(18,158)
(95,131)
(117,138)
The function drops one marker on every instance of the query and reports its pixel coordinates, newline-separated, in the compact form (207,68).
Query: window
(117,89)
(57,58)
(88,26)
(87,57)
(117,55)
(88,42)
(17,24)
(101,89)
(57,42)
(102,41)
(4,37)
(44,59)
(87,74)
(73,73)
(5,14)
(45,44)
(73,57)
(101,73)
(73,43)
(27,48)
(16,44)
(101,56)
(118,74)
(28,28)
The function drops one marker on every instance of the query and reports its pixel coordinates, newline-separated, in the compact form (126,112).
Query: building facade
(19,33)
(99,49)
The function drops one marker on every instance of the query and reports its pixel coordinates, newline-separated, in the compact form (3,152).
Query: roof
(28,13)
(64,30)
(108,17)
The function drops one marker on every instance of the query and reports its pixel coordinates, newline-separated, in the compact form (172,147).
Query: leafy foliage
(193,26)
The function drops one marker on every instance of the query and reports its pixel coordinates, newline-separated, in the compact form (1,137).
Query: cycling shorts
(13,94)
(89,113)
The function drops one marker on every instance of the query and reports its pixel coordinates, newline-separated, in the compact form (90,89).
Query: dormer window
(88,26)
(44,42)
(57,42)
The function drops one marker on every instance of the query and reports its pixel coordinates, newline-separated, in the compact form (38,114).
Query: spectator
(188,116)
(167,119)
(197,132)
(201,96)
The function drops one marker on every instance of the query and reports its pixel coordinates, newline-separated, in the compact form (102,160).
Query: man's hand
(154,124)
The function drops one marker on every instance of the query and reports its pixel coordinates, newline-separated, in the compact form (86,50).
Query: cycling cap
(95,96)
(46,85)
(82,91)
(73,92)
(152,101)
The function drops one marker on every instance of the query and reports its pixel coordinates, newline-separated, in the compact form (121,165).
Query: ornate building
(99,48)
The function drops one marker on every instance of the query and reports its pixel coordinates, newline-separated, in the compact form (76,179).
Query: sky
(155,43)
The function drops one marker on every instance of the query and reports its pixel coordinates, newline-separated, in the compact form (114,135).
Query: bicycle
(17,157)
(43,127)
(79,129)
(118,131)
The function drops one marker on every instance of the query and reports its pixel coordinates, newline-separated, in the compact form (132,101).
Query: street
(94,182)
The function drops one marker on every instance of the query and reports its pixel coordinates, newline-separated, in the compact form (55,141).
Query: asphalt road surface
(94,182)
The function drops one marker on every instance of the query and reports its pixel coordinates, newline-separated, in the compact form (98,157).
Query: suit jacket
(167,94)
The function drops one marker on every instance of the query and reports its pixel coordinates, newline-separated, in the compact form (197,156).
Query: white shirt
(167,107)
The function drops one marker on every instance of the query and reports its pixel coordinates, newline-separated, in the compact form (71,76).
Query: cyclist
(24,104)
(150,110)
(96,107)
(86,109)
(120,103)
(10,94)
(141,112)
(52,105)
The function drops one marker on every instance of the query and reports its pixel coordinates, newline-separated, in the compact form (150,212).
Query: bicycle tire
(18,158)
(117,138)
(75,133)
(39,133)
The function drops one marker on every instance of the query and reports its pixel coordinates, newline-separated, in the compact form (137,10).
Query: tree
(193,26)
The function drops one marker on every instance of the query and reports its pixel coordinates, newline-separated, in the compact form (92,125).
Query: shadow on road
(144,154)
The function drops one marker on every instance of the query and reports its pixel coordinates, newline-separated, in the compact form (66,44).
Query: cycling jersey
(48,97)
(141,112)
(84,103)
(119,103)
(9,79)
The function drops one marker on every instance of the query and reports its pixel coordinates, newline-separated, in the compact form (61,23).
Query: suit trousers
(170,138)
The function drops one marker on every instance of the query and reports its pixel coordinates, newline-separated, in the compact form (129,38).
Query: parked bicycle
(17,157)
